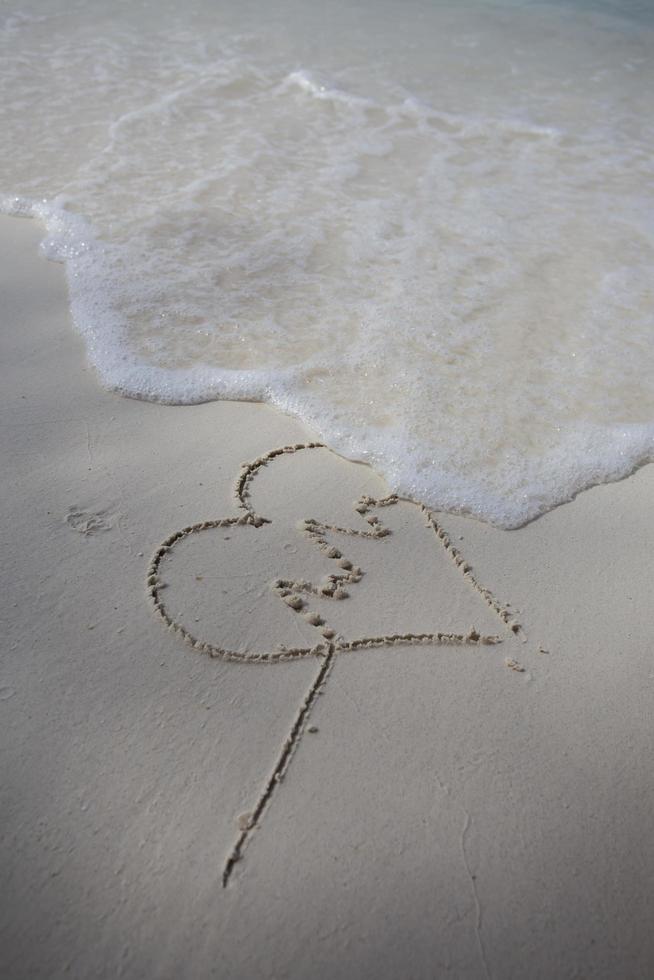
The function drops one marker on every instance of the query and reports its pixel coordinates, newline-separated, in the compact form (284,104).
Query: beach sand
(448,807)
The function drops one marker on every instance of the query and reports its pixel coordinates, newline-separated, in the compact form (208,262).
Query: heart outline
(315,530)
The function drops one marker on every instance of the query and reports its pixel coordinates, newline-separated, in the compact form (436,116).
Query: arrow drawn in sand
(310,601)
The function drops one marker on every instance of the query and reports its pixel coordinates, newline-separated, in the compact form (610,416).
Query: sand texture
(260,719)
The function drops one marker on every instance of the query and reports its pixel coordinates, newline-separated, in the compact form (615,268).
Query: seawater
(425,228)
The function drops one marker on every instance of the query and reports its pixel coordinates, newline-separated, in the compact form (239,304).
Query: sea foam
(434,245)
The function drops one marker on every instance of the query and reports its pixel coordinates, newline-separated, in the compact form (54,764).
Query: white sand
(450,815)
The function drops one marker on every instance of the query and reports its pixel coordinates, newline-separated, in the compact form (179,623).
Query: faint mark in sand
(475,894)
(472,878)
(89,444)
(297,596)
(89,522)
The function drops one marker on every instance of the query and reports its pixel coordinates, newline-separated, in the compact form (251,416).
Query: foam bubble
(320,87)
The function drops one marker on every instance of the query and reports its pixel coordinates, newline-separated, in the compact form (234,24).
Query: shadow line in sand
(297,596)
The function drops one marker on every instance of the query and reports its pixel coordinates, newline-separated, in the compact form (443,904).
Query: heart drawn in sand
(228,586)
(312,602)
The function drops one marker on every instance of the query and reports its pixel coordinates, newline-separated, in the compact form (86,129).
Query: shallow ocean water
(426,228)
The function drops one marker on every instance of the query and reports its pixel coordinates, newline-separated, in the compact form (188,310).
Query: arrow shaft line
(288,748)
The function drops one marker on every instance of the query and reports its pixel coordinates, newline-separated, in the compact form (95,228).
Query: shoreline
(70,240)
(477,809)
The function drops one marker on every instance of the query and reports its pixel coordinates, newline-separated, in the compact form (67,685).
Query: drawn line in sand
(296,595)
(288,748)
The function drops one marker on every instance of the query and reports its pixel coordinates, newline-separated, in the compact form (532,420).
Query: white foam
(320,87)
(440,256)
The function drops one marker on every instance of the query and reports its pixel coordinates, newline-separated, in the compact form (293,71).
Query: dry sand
(439,807)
